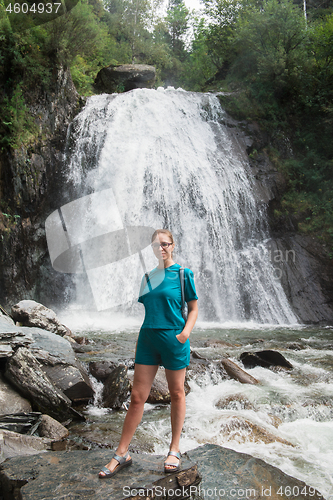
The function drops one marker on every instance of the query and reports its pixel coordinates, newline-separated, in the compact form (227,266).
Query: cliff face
(31,179)
(301,261)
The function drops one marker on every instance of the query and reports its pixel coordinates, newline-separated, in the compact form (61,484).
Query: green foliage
(198,68)
(271,43)
(17,124)
(177,21)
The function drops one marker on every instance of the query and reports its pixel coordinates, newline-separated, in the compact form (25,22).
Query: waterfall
(164,158)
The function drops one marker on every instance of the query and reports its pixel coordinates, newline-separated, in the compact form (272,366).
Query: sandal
(174,467)
(123,462)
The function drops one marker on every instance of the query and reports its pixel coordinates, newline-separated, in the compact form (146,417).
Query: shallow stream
(295,407)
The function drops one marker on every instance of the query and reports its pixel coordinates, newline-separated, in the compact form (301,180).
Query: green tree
(177,20)
(272,48)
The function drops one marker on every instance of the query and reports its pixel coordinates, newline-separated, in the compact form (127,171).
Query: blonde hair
(163,231)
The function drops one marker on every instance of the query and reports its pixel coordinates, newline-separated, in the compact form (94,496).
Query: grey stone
(306,274)
(61,365)
(13,444)
(75,475)
(159,392)
(31,313)
(232,472)
(12,337)
(4,317)
(116,388)
(23,423)
(101,369)
(52,429)
(26,374)
(125,77)
(266,359)
(10,400)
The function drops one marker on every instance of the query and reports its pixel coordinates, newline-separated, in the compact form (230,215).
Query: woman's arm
(191,319)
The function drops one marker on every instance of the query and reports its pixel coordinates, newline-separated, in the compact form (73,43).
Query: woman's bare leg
(176,379)
(143,378)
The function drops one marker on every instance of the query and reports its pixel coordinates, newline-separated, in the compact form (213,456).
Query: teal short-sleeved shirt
(163,300)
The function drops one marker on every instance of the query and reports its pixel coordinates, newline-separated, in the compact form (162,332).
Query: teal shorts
(161,347)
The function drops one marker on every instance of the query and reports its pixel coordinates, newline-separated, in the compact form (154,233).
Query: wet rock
(10,400)
(276,421)
(60,364)
(305,270)
(266,359)
(218,343)
(75,475)
(197,355)
(12,337)
(4,316)
(31,313)
(52,429)
(26,374)
(239,429)
(295,346)
(116,388)
(13,444)
(197,366)
(159,392)
(235,372)
(23,423)
(101,369)
(124,78)
(235,402)
(233,473)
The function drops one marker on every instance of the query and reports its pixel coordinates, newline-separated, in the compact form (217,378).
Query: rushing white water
(286,420)
(170,162)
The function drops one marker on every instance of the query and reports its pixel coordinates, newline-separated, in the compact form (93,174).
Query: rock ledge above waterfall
(124,78)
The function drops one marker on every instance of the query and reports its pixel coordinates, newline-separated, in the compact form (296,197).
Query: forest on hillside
(273,57)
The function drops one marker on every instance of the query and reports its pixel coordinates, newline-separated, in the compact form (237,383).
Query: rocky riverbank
(208,471)
(41,384)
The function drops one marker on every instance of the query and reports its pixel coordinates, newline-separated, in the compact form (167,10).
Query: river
(296,405)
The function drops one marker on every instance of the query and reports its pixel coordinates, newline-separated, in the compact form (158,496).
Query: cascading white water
(170,162)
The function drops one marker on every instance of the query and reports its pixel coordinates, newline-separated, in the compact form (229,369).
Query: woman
(163,340)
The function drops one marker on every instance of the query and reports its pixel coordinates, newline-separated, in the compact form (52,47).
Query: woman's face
(163,247)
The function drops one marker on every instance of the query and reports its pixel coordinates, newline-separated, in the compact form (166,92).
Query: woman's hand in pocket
(182,337)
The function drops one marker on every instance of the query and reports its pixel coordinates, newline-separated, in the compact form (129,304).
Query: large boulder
(10,400)
(266,359)
(60,364)
(31,313)
(11,338)
(212,471)
(52,429)
(13,444)
(124,78)
(101,369)
(159,392)
(116,388)
(4,316)
(26,374)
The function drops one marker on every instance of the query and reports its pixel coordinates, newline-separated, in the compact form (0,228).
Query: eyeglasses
(164,244)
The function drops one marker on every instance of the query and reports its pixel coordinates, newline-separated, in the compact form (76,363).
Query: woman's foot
(117,463)
(172,461)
